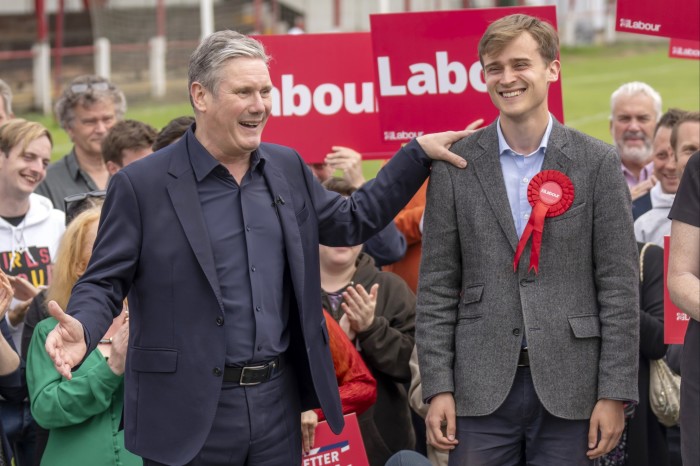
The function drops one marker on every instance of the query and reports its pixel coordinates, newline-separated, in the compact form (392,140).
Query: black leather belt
(523,358)
(253,374)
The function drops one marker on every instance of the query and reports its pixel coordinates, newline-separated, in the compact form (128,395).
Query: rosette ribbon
(550,193)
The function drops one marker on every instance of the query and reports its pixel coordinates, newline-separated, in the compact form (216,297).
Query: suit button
(217,372)
(516,331)
(258,308)
(523,282)
(219,321)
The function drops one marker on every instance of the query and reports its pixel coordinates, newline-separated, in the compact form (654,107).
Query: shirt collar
(644,174)
(72,164)
(204,163)
(504,148)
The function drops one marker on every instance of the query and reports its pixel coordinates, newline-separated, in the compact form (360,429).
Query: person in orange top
(408,222)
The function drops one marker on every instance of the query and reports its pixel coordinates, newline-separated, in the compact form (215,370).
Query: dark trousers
(258,425)
(520,432)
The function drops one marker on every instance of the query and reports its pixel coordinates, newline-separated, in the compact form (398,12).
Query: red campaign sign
(324,95)
(670,18)
(346,449)
(675,320)
(681,48)
(428,74)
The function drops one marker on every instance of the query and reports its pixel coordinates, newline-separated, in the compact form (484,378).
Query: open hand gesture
(65,344)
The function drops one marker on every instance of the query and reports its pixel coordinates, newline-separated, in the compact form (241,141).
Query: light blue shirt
(518,170)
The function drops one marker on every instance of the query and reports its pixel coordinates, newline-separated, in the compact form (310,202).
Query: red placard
(670,18)
(681,48)
(346,449)
(675,320)
(324,95)
(428,73)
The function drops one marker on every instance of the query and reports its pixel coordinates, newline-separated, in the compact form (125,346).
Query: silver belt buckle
(251,368)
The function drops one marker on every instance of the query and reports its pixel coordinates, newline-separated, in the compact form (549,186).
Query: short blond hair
(20,132)
(505,30)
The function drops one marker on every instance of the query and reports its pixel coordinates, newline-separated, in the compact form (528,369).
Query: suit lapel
(279,188)
(556,156)
(185,198)
(487,167)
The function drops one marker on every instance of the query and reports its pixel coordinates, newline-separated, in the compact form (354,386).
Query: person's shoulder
(270,148)
(58,168)
(483,137)
(582,142)
(282,156)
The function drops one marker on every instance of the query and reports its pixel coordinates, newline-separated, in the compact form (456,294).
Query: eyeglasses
(79,88)
(75,204)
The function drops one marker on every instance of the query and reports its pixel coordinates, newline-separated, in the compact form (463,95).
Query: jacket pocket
(472,293)
(585,326)
(467,313)
(302,215)
(573,211)
(152,359)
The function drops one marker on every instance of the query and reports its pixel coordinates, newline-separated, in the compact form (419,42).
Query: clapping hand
(359,306)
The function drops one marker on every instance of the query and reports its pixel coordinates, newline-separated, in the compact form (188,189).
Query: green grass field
(589,75)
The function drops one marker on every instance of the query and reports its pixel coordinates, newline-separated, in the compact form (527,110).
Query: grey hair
(70,99)
(6,94)
(633,88)
(213,53)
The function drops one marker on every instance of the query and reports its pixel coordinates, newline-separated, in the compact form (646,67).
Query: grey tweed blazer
(580,313)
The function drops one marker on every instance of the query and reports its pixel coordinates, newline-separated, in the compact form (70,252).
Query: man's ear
(198,92)
(553,71)
(112,167)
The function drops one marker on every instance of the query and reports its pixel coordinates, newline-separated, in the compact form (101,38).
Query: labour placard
(670,18)
(324,95)
(675,320)
(345,449)
(681,48)
(428,73)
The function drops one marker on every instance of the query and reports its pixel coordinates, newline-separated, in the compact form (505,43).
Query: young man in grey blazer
(522,366)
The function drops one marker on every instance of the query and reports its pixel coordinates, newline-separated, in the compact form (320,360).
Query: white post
(103,59)
(206,15)
(41,71)
(156,62)
(384,6)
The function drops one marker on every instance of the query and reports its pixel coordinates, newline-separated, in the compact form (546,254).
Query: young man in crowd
(527,365)
(127,142)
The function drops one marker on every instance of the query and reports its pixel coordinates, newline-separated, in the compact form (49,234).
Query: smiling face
(230,121)
(687,143)
(632,126)
(518,79)
(22,171)
(665,161)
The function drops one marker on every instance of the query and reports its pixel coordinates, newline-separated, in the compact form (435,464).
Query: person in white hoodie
(30,230)
(652,226)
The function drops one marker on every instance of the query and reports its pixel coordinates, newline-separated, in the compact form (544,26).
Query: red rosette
(550,193)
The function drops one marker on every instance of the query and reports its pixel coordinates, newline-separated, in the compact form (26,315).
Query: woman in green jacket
(83,415)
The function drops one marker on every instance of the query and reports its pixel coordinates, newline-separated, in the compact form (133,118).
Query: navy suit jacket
(152,245)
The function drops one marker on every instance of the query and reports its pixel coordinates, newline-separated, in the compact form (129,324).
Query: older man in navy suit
(215,241)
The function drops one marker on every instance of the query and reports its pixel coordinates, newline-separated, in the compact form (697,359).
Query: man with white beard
(635,108)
